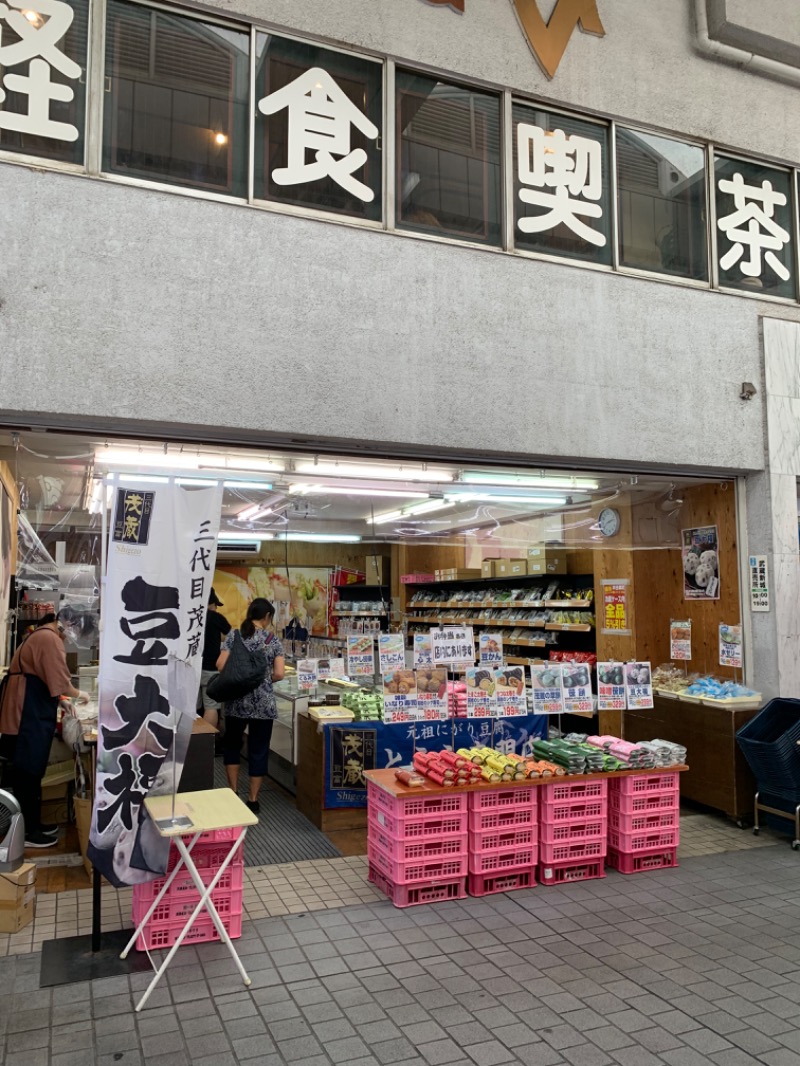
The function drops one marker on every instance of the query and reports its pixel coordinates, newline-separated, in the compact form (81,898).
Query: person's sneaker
(253,805)
(49,830)
(40,840)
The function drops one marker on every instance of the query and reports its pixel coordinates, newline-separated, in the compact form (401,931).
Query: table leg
(204,902)
(181,862)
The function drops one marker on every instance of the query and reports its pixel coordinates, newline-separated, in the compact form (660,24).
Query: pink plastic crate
(409,849)
(488,884)
(206,856)
(219,836)
(503,818)
(157,936)
(632,843)
(403,873)
(426,825)
(577,791)
(232,879)
(493,799)
(578,808)
(573,831)
(503,839)
(410,895)
(416,579)
(411,806)
(563,873)
(178,908)
(486,862)
(627,863)
(624,822)
(646,803)
(572,852)
(637,784)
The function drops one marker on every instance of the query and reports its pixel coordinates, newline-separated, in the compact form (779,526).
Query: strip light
(248,538)
(486,497)
(411,512)
(250,514)
(161,460)
(325,490)
(527,481)
(392,473)
(321,538)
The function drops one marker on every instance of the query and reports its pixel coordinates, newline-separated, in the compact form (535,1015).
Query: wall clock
(609,522)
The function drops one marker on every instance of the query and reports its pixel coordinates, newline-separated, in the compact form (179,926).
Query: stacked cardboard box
(17,898)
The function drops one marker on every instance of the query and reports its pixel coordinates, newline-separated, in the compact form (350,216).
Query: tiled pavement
(699,964)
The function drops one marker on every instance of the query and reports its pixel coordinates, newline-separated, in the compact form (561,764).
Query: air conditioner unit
(235,549)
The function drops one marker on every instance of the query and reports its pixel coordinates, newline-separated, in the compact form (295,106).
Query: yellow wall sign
(549,40)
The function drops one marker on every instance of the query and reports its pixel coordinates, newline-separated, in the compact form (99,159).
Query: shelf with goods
(359,605)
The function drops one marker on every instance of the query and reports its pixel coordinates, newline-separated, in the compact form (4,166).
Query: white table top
(213,808)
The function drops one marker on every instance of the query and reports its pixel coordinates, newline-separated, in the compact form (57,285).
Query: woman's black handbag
(243,672)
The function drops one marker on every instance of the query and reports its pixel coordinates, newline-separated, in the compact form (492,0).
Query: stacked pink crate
(169,917)
(644,822)
(417,845)
(503,839)
(573,826)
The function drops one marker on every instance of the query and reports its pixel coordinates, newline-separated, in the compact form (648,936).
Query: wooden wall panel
(10,484)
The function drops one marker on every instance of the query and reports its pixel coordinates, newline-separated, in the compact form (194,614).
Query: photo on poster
(700,554)
(638,686)
(680,640)
(730,646)
(490,649)
(432,693)
(548,691)
(610,686)
(399,696)
(391,652)
(577,684)
(511,700)
(480,692)
(423,656)
(360,655)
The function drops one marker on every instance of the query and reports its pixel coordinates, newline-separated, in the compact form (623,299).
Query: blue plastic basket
(769,744)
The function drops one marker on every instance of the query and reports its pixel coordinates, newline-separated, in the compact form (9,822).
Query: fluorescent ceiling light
(486,497)
(387,516)
(256,510)
(321,538)
(427,507)
(185,460)
(395,473)
(527,481)
(247,538)
(336,490)
(143,479)
(196,482)
(247,485)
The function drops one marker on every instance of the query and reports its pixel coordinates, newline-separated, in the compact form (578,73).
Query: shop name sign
(548,40)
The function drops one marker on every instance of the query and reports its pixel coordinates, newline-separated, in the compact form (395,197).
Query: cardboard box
(512,567)
(489,567)
(459,573)
(544,559)
(377,570)
(17,898)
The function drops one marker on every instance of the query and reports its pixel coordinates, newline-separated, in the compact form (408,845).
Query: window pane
(448,179)
(754,227)
(318,128)
(176,101)
(562,205)
(662,204)
(44,110)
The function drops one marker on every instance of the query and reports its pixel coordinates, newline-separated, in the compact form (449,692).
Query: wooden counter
(386,780)
(719,776)
(311,782)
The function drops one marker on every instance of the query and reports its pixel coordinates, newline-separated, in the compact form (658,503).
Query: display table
(719,775)
(195,813)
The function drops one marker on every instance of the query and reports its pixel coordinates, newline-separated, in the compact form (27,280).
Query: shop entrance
(546,566)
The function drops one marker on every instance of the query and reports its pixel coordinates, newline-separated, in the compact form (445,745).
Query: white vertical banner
(161,554)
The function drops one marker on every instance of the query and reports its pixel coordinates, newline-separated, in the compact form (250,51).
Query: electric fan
(12,833)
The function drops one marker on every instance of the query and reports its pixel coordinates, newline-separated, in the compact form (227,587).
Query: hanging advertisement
(307,674)
(680,640)
(423,655)
(700,553)
(615,607)
(510,699)
(730,646)
(548,692)
(577,684)
(399,696)
(453,644)
(161,555)
(490,649)
(360,655)
(638,686)
(480,692)
(610,687)
(391,652)
(432,694)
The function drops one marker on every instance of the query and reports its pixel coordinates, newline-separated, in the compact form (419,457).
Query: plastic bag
(243,672)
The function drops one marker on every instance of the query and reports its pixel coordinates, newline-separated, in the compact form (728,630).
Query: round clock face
(609,522)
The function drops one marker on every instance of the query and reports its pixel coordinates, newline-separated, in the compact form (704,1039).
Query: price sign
(330,668)
(509,692)
(432,694)
(638,686)
(548,691)
(610,687)
(730,646)
(490,649)
(307,674)
(680,640)
(391,652)
(423,656)
(480,692)
(400,697)
(360,655)
(577,684)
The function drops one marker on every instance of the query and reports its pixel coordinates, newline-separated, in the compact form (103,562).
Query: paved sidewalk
(699,964)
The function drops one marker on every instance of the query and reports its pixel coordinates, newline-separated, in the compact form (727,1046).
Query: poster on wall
(730,646)
(6,528)
(548,691)
(480,692)
(349,753)
(680,640)
(759,583)
(302,597)
(610,687)
(638,686)
(432,694)
(615,607)
(399,696)
(700,553)
(510,698)
(161,554)
(360,655)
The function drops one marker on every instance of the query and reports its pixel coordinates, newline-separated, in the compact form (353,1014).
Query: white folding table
(195,813)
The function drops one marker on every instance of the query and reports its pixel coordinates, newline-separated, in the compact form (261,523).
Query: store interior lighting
(494,497)
(320,538)
(400,472)
(247,538)
(250,514)
(150,459)
(492,477)
(338,490)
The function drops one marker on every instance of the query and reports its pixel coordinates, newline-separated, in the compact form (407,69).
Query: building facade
(380,226)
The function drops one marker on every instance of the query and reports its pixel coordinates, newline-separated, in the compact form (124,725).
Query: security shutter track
(283,834)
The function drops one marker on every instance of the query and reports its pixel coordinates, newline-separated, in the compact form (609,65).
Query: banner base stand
(72,959)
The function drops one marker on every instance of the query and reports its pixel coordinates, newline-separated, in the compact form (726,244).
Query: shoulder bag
(243,672)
